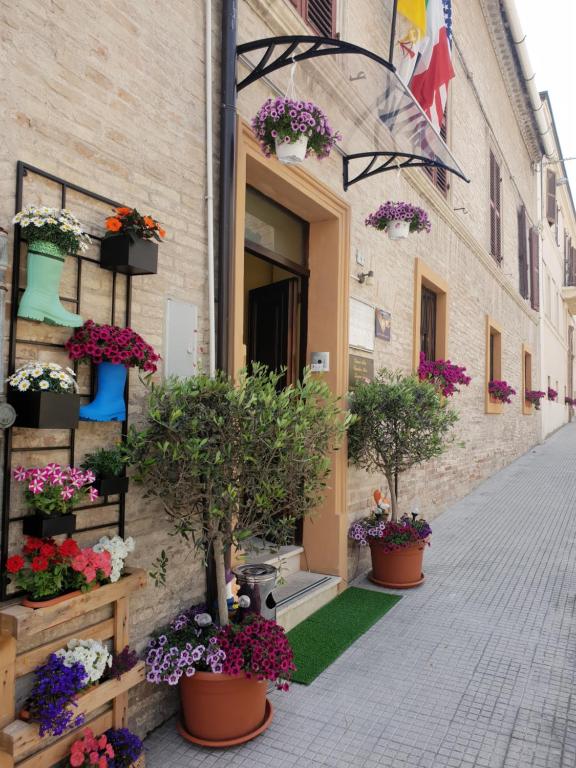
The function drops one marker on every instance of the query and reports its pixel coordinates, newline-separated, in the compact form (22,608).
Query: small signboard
(361,329)
(360,369)
(383,324)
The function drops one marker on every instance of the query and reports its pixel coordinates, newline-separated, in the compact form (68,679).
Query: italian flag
(434,69)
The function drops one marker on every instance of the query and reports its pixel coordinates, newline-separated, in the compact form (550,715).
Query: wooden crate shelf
(20,742)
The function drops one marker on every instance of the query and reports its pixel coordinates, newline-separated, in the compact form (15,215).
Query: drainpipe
(210,191)
(519,40)
(227,176)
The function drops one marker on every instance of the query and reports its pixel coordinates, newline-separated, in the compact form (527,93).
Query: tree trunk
(220,579)
(393,499)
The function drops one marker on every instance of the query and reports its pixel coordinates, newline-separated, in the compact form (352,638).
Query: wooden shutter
(534,269)
(551,197)
(428,312)
(319,14)
(522,253)
(495,210)
(572,265)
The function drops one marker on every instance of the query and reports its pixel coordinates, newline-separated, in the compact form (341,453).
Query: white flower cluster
(59,218)
(37,377)
(119,550)
(93,656)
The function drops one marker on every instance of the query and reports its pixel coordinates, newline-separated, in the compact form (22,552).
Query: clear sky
(550,26)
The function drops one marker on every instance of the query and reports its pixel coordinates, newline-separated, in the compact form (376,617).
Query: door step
(301,594)
(286,559)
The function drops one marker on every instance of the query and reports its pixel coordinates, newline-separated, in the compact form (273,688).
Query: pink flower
(89,574)
(76,759)
(67,493)
(93,494)
(36,485)
(19,474)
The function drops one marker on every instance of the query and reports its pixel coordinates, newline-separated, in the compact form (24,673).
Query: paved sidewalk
(475,668)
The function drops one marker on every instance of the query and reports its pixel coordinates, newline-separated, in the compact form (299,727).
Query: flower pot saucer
(269,714)
(392,585)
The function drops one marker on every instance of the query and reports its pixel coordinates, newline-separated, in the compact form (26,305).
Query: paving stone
(474,669)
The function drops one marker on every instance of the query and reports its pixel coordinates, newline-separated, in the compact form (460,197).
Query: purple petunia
(53,693)
(443,374)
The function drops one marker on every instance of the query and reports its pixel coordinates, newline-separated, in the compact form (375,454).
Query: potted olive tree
(401,422)
(230,461)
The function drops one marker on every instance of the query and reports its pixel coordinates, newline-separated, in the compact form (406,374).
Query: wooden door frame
(325,534)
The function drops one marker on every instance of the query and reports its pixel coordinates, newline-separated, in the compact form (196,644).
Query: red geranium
(69,548)
(40,564)
(15,564)
(109,343)
(32,544)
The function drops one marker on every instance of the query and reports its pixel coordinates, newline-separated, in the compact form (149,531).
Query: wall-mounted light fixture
(366,277)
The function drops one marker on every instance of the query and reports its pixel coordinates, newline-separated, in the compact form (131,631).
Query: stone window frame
(493,407)
(424,276)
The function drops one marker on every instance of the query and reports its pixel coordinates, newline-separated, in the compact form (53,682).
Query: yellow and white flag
(410,32)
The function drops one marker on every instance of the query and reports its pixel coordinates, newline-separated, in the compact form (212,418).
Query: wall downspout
(210,192)
(227,177)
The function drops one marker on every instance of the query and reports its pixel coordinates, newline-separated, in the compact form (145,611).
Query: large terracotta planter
(400,569)
(223,710)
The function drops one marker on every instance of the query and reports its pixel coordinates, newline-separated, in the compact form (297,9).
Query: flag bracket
(392,161)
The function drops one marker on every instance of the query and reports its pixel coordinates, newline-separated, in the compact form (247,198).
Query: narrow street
(475,668)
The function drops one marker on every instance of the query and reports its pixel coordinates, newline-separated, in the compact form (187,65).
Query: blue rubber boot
(41,300)
(108,405)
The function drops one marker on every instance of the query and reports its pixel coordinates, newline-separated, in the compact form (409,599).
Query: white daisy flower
(44,384)
(37,372)
(23,386)
(54,375)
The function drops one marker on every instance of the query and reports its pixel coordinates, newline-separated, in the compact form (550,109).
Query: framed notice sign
(361,329)
(383,324)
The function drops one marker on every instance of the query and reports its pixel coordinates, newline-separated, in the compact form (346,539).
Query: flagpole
(393,31)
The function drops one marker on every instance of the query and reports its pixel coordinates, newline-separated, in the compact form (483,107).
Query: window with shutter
(319,14)
(495,210)
(572,265)
(439,176)
(428,323)
(551,197)
(523,253)
(534,269)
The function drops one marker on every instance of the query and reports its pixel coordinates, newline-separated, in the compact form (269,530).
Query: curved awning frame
(285,50)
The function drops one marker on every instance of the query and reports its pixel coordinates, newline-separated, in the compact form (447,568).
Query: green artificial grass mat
(322,637)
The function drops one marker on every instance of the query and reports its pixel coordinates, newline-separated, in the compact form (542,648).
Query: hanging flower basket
(501,391)
(293,130)
(44,396)
(533,396)
(130,244)
(399,219)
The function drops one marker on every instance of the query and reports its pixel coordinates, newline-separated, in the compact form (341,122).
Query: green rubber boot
(41,299)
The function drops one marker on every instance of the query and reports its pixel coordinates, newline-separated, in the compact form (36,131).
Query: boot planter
(48,526)
(109,404)
(221,710)
(131,256)
(399,569)
(45,410)
(41,299)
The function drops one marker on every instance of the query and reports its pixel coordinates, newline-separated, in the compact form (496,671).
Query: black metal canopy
(378,108)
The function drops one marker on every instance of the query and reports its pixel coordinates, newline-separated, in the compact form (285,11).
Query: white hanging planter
(291,154)
(398,230)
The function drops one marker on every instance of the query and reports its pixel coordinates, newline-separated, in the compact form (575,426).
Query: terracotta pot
(400,569)
(223,710)
(27,603)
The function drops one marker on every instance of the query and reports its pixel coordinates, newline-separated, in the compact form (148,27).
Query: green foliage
(50,501)
(232,461)
(105,462)
(401,422)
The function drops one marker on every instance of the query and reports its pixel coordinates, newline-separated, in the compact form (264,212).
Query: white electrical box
(320,362)
(181,342)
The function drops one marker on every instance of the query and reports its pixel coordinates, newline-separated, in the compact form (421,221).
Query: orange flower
(123,211)
(113,224)
(161,232)
(149,221)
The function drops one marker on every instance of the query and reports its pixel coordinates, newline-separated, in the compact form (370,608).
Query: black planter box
(131,257)
(109,486)
(43,527)
(45,410)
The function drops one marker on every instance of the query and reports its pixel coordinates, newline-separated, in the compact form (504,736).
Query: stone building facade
(112,99)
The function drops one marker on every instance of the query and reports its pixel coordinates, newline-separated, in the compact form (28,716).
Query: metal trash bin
(257,581)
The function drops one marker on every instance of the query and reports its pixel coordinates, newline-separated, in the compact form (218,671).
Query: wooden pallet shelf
(20,742)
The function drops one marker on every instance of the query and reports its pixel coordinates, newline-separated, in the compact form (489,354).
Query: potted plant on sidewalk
(399,219)
(228,462)
(400,423)
(112,350)
(130,244)
(45,396)
(51,233)
(107,465)
(292,130)
(51,493)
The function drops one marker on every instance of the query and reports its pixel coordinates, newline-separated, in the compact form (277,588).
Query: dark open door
(273,327)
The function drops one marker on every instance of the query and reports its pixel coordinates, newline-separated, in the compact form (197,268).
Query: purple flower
(53,693)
